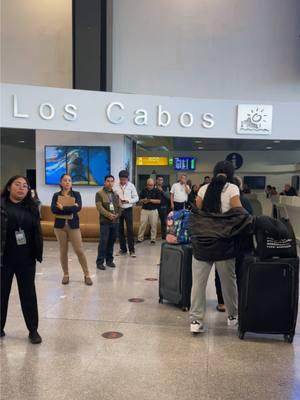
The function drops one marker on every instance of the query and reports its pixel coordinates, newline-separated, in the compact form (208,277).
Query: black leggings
(238,263)
(25,274)
(218,288)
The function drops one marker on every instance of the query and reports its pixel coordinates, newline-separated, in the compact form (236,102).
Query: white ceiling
(193,144)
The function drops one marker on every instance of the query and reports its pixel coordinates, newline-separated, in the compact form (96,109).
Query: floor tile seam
(209,342)
(116,322)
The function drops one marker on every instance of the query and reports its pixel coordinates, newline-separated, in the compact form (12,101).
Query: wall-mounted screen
(255,182)
(86,165)
(55,164)
(184,163)
(78,164)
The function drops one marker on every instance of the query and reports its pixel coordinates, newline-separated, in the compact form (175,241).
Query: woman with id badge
(21,247)
(65,205)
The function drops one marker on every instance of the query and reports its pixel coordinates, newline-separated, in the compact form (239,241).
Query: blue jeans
(108,236)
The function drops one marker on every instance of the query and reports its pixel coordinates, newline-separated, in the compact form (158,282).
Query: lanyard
(123,190)
(18,213)
(110,197)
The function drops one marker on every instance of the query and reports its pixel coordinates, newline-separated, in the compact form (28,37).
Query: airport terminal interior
(159,88)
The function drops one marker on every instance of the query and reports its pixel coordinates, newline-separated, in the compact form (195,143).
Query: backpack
(177,229)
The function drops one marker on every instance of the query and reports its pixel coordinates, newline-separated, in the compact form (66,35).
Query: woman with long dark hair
(192,197)
(214,228)
(67,228)
(21,247)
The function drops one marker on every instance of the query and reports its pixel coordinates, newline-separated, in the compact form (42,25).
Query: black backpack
(275,238)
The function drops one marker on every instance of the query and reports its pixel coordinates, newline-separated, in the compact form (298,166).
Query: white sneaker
(196,327)
(232,321)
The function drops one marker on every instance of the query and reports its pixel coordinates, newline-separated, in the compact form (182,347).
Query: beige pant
(65,235)
(151,217)
(201,271)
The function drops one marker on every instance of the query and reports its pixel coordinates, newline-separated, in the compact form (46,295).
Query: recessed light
(21,141)
(268,148)
(276,141)
(200,148)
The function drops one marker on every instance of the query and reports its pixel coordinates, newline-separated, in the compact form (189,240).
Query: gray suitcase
(175,275)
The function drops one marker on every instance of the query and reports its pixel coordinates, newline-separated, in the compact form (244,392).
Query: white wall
(208,49)
(15,160)
(36,42)
(116,142)
(277,166)
(205,49)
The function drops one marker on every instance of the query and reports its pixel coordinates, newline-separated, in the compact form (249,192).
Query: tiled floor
(157,358)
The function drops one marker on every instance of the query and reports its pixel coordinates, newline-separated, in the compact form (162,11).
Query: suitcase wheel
(241,335)
(288,338)
(160,300)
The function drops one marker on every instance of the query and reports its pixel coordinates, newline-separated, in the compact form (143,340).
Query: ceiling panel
(193,144)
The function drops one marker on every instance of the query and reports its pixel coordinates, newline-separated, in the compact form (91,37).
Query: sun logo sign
(254,119)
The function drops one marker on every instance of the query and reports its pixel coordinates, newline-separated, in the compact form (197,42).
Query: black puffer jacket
(37,250)
(217,236)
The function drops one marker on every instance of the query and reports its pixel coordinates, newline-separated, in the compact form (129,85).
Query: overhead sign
(152,161)
(35,107)
(254,119)
(184,163)
(236,159)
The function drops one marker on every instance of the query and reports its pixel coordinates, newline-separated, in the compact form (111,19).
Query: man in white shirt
(179,193)
(128,196)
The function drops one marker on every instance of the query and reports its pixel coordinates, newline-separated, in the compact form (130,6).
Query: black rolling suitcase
(268,296)
(175,275)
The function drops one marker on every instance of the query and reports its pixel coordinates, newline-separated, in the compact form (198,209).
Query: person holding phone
(179,193)
(129,197)
(164,205)
(66,205)
(21,247)
(150,198)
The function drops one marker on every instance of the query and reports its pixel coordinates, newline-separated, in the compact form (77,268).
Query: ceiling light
(276,141)
(268,148)
(200,148)
(21,141)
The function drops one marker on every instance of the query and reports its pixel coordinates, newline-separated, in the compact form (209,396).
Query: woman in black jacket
(220,217)
(68,229)
(21,247)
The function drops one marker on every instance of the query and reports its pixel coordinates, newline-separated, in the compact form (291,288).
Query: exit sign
(184,163)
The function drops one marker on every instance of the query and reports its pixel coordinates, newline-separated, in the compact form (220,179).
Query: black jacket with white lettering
(217,236)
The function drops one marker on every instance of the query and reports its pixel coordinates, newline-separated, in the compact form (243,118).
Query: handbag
(275,238)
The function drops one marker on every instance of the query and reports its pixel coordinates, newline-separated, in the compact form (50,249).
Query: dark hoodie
(217,236)
(31,220)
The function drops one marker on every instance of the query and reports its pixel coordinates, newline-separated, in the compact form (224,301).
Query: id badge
(20,237)
(111,207)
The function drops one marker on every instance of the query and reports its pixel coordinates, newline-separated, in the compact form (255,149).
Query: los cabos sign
(34,107)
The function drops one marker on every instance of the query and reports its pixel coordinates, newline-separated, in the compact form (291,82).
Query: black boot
(34,337)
